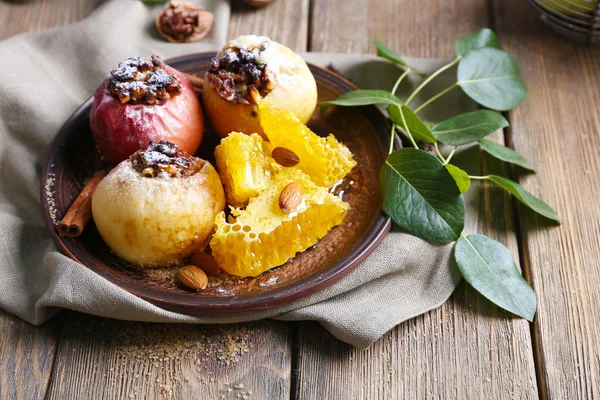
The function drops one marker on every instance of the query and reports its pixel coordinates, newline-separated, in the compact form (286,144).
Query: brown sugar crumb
(138,80)
(165,344)
(239,77)
(164,159)
(50,192)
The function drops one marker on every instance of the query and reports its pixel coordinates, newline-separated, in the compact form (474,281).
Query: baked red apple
(246,71)
(145,100)
(158,207)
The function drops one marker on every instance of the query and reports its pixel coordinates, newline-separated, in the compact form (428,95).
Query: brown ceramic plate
(73,158)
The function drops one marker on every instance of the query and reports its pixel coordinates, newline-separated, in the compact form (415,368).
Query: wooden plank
(27,353)
(285,22)
(415,28)
(18,17)
(100,358)
(558,128)
(26,356)
(467,348)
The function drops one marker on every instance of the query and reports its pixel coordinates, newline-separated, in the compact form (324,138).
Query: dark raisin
(232,61)
(247,57)
(214,64)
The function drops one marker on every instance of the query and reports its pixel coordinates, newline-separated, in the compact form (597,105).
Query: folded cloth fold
(46,75)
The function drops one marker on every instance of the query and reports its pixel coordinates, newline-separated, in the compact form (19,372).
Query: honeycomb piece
(244,165)
(325,160)
(262,236)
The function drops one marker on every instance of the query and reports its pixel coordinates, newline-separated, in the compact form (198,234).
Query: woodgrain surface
(145,361)
(23,16)
(285,22)
(26,356)
(465,349)
(558,128)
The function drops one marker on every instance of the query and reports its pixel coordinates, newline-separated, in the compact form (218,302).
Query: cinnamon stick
(196,81)
(80,212)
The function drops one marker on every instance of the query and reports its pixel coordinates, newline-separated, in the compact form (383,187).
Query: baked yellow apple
(249,69)
(159,206)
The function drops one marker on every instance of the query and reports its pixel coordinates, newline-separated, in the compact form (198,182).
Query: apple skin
(295,91)
(157,222)
(121,129)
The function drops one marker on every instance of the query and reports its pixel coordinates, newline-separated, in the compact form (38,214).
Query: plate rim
(227,305)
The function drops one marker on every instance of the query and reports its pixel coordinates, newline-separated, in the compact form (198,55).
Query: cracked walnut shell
(183,22)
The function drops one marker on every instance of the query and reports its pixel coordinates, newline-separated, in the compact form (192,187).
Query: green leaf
(468,127)
(489,267)
(525,197)
(363,98)
(417,128)
(461,177)
(476,40)
(420,195)
(505,154)
(387,53)
(491,77)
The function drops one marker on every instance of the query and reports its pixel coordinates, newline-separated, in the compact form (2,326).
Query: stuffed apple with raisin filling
(249,69)
(142,101)
(159,206)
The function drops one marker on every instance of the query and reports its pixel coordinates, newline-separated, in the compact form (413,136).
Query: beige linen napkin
(45,76)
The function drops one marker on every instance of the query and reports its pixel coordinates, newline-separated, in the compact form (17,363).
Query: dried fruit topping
(164,159)
(183,22)
(241,74)
(285,157)
(290,197)
(192,277)
(138,80)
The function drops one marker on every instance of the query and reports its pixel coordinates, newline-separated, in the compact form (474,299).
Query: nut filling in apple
(163,159)
(241,75)
(138,80)
(158,208)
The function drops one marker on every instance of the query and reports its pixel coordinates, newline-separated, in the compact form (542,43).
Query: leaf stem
(437,150)
(479,177)
(392,136)
(407,130)
(450,156)
(406,72)
(436,73)
(434,98)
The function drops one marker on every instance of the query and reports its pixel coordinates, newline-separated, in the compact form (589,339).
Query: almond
(285,157)
(255,95)
(192,277)
(206,262)
(290,197)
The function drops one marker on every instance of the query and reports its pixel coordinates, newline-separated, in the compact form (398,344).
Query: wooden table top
(467,348)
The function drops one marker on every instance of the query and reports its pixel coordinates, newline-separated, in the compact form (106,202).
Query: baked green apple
(158,207)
